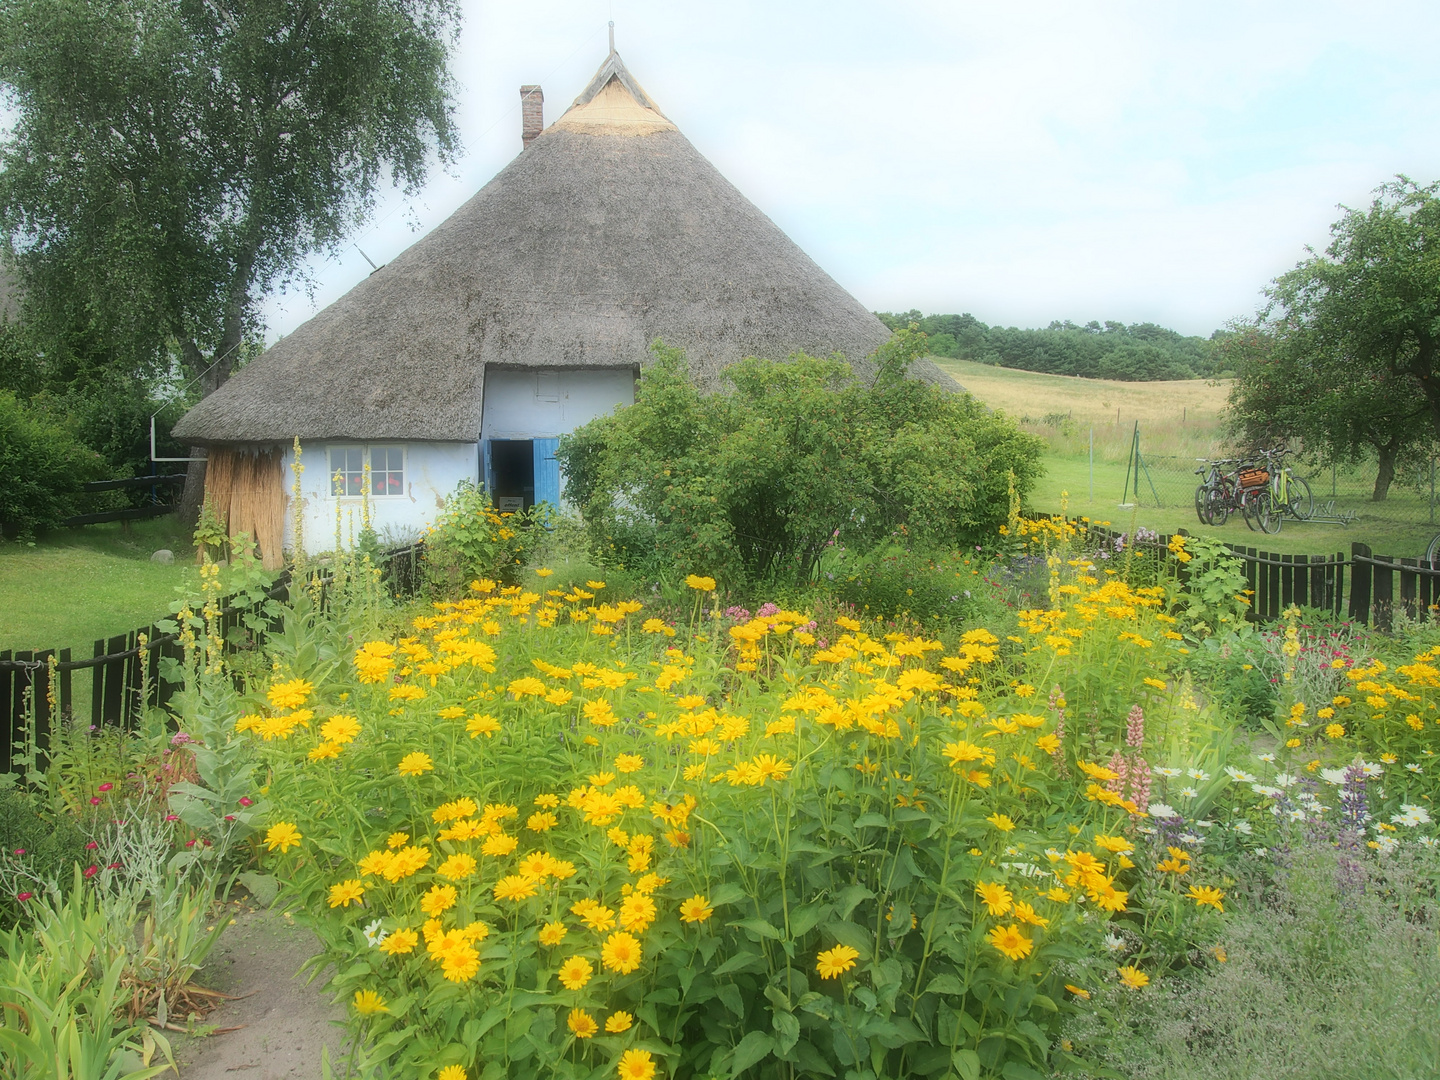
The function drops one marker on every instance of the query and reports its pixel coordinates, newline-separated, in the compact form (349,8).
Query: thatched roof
(610,230)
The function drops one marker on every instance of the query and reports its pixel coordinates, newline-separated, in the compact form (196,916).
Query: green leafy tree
(757,483)
(171,161)
(1345,357)
(45,468)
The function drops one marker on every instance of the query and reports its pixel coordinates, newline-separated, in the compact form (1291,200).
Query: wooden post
(65,686)
(97,687)
(7,726)
(1361,578)
(114,704)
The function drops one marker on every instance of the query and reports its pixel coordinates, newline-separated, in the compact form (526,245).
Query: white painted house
(530,311)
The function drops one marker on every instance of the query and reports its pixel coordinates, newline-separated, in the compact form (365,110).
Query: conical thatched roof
(610,230)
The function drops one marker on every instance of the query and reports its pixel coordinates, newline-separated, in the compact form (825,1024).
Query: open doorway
(512,473)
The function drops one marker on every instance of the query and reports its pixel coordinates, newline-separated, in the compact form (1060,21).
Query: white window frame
(367,457)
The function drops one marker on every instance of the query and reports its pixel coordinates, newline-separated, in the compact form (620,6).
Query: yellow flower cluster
(553,770)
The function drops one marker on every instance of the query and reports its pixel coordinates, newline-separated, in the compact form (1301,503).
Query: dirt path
(285,1023)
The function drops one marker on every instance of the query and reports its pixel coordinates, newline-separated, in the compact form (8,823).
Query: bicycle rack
(1326,513)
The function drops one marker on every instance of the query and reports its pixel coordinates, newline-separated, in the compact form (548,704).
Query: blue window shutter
(547,472)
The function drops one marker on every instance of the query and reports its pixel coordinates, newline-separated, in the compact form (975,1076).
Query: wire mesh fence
(1342,494)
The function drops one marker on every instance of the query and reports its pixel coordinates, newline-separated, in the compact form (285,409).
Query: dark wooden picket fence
(1373,590)
(124,665)
(157,507)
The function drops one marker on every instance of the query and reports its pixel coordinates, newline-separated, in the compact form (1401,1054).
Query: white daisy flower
(1297,815)
(1188,793)
(1428,841)
(1244,828)
(1191,838)
(1286,779)
(1266,790)
(1370,768)
(373,934)
(1411,815)
(1114,942)
(1385,844)
(1161,770)
(1160,810)
(1197,774)
(1333,776)
(1414,768)
(1269,759)
(1240,776)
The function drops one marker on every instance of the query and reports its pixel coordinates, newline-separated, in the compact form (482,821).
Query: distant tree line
(1110,350)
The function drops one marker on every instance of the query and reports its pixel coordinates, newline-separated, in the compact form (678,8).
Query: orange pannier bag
(1254,478)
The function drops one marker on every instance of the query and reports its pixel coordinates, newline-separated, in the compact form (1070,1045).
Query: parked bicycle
(1216,496)
(1263,490)
(1285,494)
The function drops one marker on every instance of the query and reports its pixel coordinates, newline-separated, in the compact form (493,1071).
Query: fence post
(1361,577)
(1409,584)
(7,724)
(65,688)
(97,687)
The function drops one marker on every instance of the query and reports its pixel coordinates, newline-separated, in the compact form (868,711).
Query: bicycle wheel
(1218,508)
(1247,509)
(1432,553)
(1302,503)
(1202,503)
(1268,513)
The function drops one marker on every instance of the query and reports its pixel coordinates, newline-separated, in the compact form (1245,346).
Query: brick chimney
(532,113)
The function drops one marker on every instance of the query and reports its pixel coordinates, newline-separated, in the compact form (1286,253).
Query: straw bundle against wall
(247,489)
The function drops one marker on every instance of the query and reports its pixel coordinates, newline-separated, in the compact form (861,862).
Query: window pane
(337,470)
(347,470)
(387,470)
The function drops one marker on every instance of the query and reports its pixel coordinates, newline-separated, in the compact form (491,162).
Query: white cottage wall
(526,403)
(432,471)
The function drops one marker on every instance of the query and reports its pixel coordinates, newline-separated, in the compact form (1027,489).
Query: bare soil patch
(282,1025)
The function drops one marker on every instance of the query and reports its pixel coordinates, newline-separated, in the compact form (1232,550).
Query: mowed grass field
(1179,422)
(76,585)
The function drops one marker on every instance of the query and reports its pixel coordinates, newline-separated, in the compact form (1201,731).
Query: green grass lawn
(75,585)
(1068,474)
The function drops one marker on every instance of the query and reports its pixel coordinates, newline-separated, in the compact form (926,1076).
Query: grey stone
(164,555)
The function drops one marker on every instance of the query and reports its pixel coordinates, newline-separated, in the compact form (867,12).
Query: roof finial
(612,37)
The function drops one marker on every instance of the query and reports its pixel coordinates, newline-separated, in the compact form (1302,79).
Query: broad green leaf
(753,1048)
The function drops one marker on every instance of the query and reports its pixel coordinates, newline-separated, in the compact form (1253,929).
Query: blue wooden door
(488,479)
(547,472)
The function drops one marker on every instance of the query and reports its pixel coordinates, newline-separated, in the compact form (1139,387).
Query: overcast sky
(1020,161)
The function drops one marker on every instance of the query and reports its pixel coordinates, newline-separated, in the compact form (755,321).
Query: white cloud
(1022,161)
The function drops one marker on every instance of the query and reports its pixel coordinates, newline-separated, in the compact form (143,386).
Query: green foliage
(1233,668)
(38,846)
(472,540)
(168,162)
(937,588)
(62,998)
(45,465)
(1139,352)
(1345,356)
(1330,972)
(1215,598)
(754,485)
